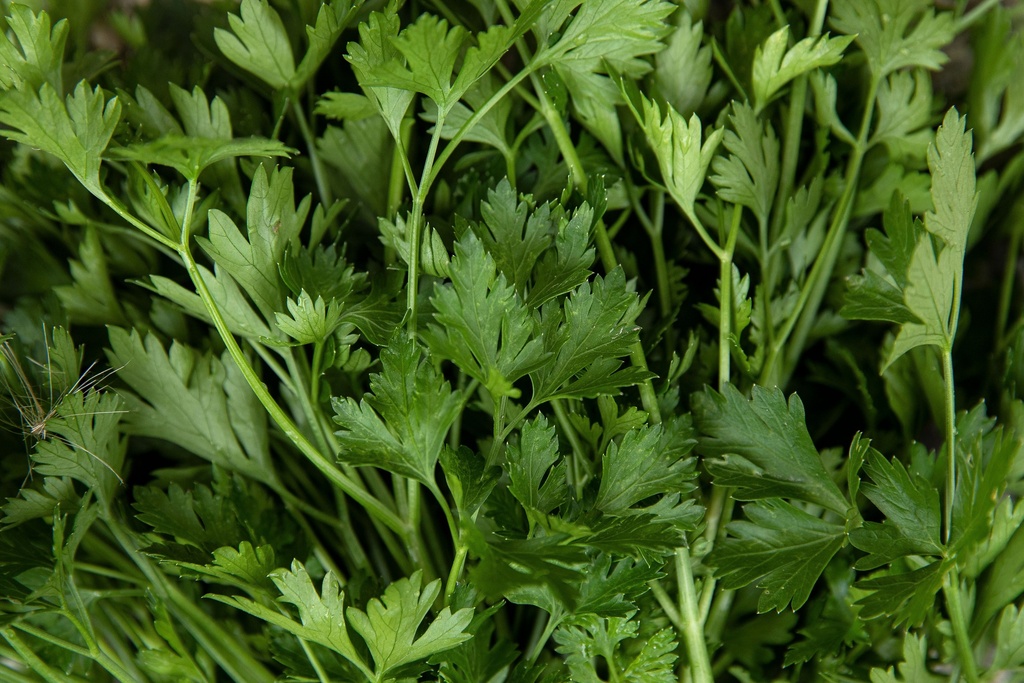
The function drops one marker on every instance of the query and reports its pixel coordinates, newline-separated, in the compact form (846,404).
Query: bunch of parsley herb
(511,341)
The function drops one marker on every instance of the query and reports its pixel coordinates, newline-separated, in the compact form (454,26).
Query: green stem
(538,645)
(958,620)
(813,291)
(8,675)
(415,223)
(471,122)
(661,275)
(458,564)
(574,442)
(397,181)
(666,604)
(323,188)
(218,643)
(1009,275)
(693,628)
(30,659)
(725,300)
(373,506)
(52,639)
(975,15)
(950,401)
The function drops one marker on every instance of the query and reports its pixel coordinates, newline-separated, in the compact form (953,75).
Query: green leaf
(648,461)
(913,669)
(190,156)
(682,71)
(996,95)
(374,50)
(308,321)
(391,625)
(322,271)
(683,159)
(533,481)
(200,517)
(586,637)
(872,297)
(895,34)
(512,235)
(82,441)
(469,479)
(567,266)
(322,617)
(586,339)
(775,66)
(609,591)
(954,195)
(273,222)
(32,52)
(425,61)
(911,508)
(750,174)
(235,308)
(762,447)
(246,568)
(544,570)
(929,297)
(332,19)
(1009,641)
(907,597)
(34,503)
(433,256)
(409,438)
(481,323)
(904,113)
(377,315)
(614,32)
(258,43)
(181,397)
(91,300)
(76,130)
(895,249)
(780,547)
(361,152)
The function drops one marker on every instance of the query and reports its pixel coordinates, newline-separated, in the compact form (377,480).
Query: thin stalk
(31,660)
(661,275)
(52,639)
(693,628)
(813,290)
(415,224)
(1009,277)
(538,645)
(373,506)
(323,188)
(958,620)
(725,300)
(574,443)
(471,122)
(315,371)
(666,604)
(218,643)
(314,661)
(414,538)
(950,401)
(396,181)
(458,564)
(975,15)
(8,675)
(121,211)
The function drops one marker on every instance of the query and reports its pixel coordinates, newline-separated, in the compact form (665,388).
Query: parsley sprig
(595,340)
